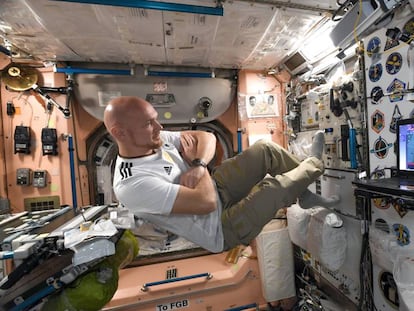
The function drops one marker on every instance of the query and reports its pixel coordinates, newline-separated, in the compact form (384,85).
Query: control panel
(23,176)
(39,178)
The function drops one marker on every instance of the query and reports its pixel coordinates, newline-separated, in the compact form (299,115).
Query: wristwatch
(198,162)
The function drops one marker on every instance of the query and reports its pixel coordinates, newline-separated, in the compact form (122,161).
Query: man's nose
(159,125)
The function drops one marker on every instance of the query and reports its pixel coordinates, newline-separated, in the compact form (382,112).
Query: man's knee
(266,145)
(239,229)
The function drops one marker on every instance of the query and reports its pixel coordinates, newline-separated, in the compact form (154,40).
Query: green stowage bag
(93,290)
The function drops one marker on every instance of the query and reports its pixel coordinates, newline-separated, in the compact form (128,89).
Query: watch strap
(198,162)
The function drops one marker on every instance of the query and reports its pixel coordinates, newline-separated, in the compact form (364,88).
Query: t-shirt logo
(125,170)
(168,169)
(167,157)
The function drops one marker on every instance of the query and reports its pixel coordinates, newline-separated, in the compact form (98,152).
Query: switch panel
(22,139)
(23,176)
(39,178)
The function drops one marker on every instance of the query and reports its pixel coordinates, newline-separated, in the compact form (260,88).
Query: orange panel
(230,285)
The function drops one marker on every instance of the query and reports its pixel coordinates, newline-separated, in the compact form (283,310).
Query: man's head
(133,124)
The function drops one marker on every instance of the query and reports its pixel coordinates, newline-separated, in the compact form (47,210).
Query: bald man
(162,177)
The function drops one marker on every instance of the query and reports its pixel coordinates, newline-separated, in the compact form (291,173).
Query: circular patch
(377,95)
(378,173)
(402,233)
(375,72)
(381,203)
(394,63)
(374,46)
(380,148)
(389,288)
(409,27)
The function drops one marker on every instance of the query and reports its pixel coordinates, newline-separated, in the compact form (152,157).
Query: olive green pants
(254,184)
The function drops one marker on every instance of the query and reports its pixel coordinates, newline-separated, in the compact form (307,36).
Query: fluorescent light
(319,43)
(155,5)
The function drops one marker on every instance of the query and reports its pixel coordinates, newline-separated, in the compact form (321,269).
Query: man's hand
(189,147)
(192,177)
(189,152)
(198,195)
(196,145)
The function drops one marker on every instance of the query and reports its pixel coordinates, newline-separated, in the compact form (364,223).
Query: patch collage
(389,69)
(392,66)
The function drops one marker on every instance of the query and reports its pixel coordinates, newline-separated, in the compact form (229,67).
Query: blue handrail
(70,70)
(245,307)
(72,172)
(156,5)
(207,275)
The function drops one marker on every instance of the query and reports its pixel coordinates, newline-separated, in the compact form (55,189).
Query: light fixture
(319,43)
(155,5)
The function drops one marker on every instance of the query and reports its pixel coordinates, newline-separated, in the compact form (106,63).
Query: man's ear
(117,132)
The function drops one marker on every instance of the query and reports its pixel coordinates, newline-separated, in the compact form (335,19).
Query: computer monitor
(405,147)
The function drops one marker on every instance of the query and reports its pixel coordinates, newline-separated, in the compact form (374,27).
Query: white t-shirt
(148,187)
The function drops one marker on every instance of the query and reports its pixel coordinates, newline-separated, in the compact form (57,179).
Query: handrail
(207,275)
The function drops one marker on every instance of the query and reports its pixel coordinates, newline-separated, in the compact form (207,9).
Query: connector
(10,109)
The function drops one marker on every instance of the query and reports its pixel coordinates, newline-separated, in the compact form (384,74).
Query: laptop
(404,177)
(402,181)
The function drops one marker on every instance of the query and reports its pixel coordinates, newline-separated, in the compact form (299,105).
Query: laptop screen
(405,150)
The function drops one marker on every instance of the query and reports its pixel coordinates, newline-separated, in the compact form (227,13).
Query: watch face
(198,162)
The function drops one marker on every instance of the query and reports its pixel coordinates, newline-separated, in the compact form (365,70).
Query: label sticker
(176,305)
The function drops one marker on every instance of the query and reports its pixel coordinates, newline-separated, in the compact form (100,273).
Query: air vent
(41,203)
(136,12)
(171,274)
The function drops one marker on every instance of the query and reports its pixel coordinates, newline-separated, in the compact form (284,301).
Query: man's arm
(201,199)
(196,145)
(197,193)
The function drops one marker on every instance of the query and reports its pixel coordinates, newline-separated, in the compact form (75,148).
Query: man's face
(144,129)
